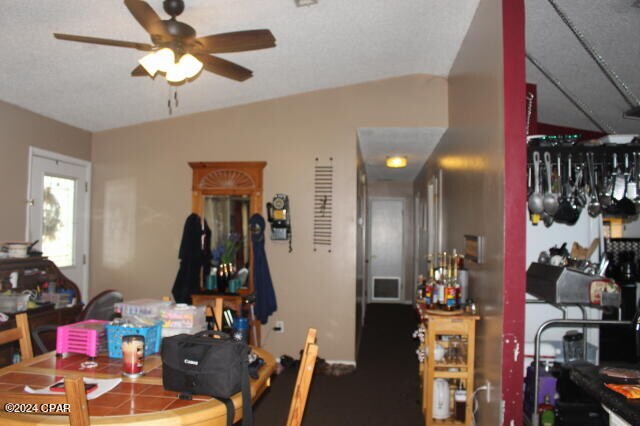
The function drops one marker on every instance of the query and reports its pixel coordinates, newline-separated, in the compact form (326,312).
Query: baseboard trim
(339,361)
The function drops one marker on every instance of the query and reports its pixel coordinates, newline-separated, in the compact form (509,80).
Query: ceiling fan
(176,52)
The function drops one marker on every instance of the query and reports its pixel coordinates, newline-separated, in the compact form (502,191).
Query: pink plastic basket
(85,337)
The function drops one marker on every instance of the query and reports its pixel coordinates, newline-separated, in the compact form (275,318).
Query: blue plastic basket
(152,337)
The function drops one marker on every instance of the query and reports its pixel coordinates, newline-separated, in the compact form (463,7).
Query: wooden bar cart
(454,337)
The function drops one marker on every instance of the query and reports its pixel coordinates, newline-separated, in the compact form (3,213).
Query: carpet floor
(384,389)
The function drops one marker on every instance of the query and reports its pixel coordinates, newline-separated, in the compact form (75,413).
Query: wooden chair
(74,395)
(216,303)
(303,381)
(21,334)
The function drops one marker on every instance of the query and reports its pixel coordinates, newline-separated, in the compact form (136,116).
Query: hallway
(383,390)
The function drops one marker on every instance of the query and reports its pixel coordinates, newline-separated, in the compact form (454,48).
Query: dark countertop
(587,377)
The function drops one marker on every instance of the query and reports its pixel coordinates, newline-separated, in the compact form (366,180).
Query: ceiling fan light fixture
(175,74)
(165,59)
(396,162)
(190,65)
(160,60)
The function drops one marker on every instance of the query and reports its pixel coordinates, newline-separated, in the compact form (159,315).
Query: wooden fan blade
(224,68)
(139,71)
(104,41)
(239,41)
(147,17)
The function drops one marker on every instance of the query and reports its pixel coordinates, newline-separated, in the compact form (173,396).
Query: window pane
(58,210)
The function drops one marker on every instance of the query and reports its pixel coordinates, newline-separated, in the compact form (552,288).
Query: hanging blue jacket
(265,295)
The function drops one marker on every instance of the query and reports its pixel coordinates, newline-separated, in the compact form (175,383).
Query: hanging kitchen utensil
(550,199)
(535,202)
(606,183)
(594,207)
(580,196)
(619,180)
(632,183)
(566,212)
(636,178)
(625,205)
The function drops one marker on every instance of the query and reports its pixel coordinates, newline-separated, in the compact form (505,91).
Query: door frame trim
(86,225)
(402,289)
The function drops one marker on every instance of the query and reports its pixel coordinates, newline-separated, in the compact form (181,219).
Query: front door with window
(58,216)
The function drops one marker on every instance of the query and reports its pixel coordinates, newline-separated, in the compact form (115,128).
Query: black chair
(101,307)
(36,337)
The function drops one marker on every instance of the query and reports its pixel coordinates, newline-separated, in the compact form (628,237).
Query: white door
(386,260)
(59,212)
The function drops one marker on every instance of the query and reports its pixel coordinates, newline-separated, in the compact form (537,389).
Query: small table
(141,401)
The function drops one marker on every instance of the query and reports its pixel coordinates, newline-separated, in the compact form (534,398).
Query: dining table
(134,401)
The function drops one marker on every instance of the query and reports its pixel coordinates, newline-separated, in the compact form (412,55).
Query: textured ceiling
(612,27)
(333,43)
(376,144)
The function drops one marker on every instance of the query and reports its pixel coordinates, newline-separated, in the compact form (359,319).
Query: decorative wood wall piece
(323,205)
(227,178)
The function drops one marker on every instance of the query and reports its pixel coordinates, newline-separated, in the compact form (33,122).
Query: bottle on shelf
(450,290)
(429,297)
(463,279)
(460,403)
(420,289)
(441,282)
(546,412)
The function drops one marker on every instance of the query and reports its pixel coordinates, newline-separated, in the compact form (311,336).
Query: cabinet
(449,345)
(33,271)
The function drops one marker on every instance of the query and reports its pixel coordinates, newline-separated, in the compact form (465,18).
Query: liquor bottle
(429,285)
(450,290)
(420,289)
(440,282)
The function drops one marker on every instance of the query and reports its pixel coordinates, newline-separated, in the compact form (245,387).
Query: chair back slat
(303,381)
(21,334)
(74,395)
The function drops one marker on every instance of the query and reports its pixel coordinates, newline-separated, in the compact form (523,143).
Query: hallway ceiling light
(396,162)
(302,3)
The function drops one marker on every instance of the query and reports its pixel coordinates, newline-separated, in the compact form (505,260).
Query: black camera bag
(208,363)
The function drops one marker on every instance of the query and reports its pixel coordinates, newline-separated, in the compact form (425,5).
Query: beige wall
(471,157)
(20,129)
(403,190)
(142,184)
(361,218)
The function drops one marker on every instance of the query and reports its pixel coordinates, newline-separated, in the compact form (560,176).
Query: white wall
(541,238)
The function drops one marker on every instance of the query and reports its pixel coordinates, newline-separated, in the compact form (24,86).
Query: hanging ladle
(535,199)
(550,200)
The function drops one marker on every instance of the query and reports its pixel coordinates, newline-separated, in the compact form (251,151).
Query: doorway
(385,251)
(58,213)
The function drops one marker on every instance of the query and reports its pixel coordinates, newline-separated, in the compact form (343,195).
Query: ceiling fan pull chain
(169,106)
(175,98)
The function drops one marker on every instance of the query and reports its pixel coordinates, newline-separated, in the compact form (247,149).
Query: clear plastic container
(14,302)
(184,316)
(168,332)
(142,308)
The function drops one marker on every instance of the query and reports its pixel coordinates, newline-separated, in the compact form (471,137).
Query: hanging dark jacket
(266,303)
(195,259)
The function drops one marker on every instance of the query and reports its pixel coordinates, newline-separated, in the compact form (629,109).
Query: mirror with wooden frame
(227,194)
